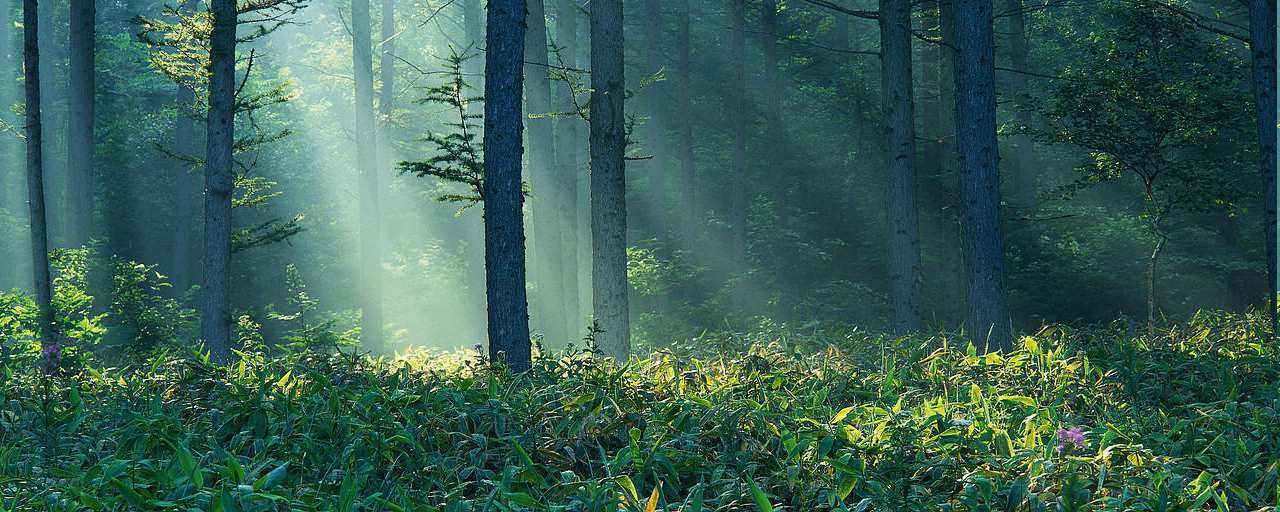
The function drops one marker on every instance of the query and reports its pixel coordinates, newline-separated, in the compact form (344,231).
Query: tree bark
(737,58)
(548,248)
(1022,163)
(566,136)
(657,99)
(387,74)
(981,239)
(473,27)
(608,189)
(684,126)
(366,162)
(1262,34)
(1161,239)
(508,310)
(773,93)
(35,172)
(899,140)
(79,198)
(219,181)
(184,193)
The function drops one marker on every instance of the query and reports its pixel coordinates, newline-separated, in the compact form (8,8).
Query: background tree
(608,182)
(900,146)
(80,139)
(35,171)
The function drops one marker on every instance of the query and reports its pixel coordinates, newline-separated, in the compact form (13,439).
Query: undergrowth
(766,421)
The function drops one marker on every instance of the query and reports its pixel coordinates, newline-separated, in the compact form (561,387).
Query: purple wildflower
(51,355)
(1071,439)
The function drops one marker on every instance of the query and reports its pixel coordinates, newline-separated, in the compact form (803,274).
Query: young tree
(899,141)
(503,222)
(1262,36)
(79,190)
(35,171)
(982,242)
(608,183)
(366,163)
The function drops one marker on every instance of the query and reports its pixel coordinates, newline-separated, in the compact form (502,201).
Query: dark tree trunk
(366,162)
(981,239)
(567,157)
(1152,261)
(900,148)
(738,180)
(546,198)
(1262,33)
(503,221)
(608,183)
(79,191)
(774,133)
(655,130)
(684,126)
(35,172)
(219,181)
(1022,163)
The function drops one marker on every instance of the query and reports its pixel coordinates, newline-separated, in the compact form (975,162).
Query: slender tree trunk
(566,136)
(387,72)
(35,172)
(79,190)
(684,125)
(738,180)
(219,181)
(1262,33)
(773,93)
(1161,239)
(586,289)
(473,27)
(184,193)
(503,220)
(546,199)
(608,183)
(366,162)
(982,241)
(1023,166)
(899,141)
(655,139)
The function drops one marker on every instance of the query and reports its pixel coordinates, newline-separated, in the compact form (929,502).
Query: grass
(767,421)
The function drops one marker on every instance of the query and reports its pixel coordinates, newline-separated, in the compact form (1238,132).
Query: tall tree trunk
(738,180)
(1262,34)
(546,200)
(566,136)
(184,193)
(608,183)
(684,125)
(366,162)
(981,240)
(899,141)
(654,135)
(503,220)
(79,190)
(35,172)
(387,73)
(473,27)
(773,93)
(1022,163)
(219,181)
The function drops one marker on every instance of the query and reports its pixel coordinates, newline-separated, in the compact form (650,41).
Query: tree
(35,171)
(508,308)
(546,195)
(366,163)
(981,241)
(1262,47)
(1154,102)
(684,123)
(566,136)
(608,182)
(738,178)
(80,168)
(1022,164)
(774,132)
(219,181)
(387,73)
(899,142)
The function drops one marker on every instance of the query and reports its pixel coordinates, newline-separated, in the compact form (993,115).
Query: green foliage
(457,154)
(143,316)
(1184,420)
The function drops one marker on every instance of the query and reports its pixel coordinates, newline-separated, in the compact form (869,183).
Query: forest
(643,256)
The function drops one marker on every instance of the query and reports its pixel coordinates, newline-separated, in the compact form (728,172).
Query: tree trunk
(35,172)
(608,183)
(503,220)
(654,135)
(738,180)
(773,93)
(219,181)
(79,190)
(473,28)
(684,127)
(566,136)
(981,239)
(546,198)
(366,162)
(1161,239)
(387,73)
(1022,163)
(899,141)
(184,193)
(1262,33)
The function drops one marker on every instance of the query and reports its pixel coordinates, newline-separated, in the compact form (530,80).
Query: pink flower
(1071,439)
(51,355)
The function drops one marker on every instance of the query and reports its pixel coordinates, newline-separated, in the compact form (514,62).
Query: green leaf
(272,478)
(762,499)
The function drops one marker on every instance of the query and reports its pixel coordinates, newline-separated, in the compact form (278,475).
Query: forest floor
(1188,419)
